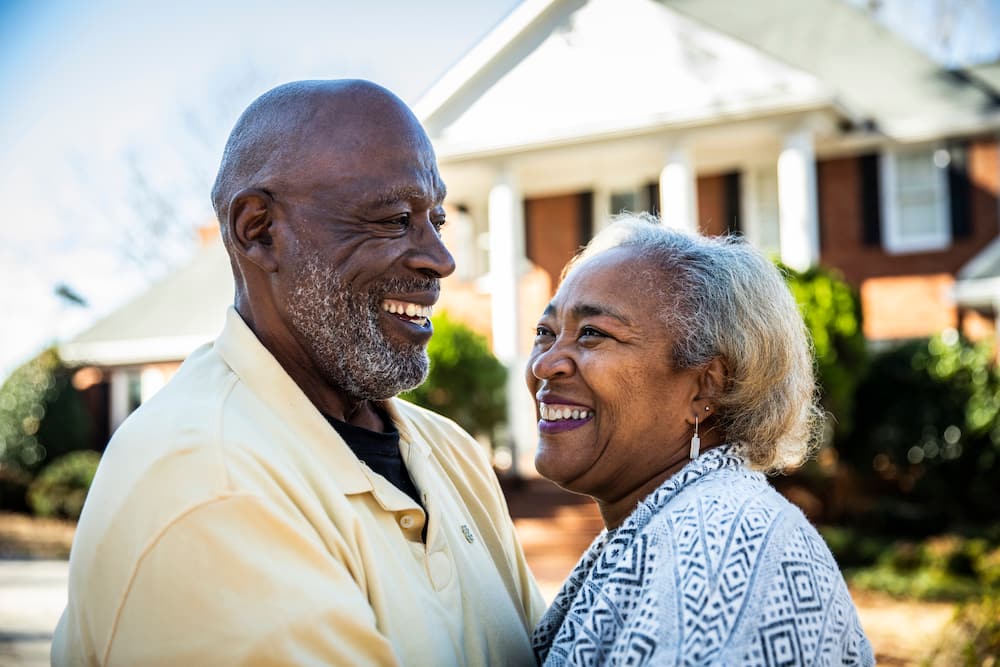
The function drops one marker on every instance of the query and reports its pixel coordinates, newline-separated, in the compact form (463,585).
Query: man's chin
(406,374)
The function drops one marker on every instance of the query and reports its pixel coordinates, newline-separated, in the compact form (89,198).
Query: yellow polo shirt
(229,524)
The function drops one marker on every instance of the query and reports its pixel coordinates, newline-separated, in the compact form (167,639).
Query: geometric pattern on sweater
(714,567)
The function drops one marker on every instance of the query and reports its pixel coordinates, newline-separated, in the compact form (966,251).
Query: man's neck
(328,399)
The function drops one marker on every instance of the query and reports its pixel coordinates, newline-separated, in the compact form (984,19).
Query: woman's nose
(551,362)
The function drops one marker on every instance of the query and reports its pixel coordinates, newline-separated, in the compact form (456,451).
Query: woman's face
(615,418)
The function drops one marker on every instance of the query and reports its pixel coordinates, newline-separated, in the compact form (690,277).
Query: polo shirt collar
(263,376)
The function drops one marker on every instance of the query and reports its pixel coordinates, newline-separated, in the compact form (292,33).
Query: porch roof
(164,323)
(560,71)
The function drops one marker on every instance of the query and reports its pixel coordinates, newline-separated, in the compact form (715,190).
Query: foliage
(832,313)
(60,489)
(944,567)
(927,434)
(41,415)
(466,382)
(973,638)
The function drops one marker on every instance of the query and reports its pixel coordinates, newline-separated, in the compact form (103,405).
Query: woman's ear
(250,216)
(711,385)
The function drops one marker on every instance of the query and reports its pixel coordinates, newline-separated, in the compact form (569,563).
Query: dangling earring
(695,441)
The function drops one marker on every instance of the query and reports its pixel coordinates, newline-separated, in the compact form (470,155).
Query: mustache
(404,285)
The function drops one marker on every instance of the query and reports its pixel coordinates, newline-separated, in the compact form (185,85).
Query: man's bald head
(278,131)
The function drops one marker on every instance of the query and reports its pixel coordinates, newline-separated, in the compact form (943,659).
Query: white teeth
(408,309)
(549,413)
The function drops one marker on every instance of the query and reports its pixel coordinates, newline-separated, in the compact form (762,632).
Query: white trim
(893,240)
(723,115)
(981,293)
(482,54)
(137,351)
(983,259)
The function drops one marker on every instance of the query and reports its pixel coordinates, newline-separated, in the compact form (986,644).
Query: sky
(98,97)
(113,115)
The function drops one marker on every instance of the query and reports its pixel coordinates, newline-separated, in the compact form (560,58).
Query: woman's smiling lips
(557,417)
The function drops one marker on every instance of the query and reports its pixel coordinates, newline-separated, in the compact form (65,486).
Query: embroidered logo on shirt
(467,532)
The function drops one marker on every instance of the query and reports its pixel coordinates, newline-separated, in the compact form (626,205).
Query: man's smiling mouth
(408,311)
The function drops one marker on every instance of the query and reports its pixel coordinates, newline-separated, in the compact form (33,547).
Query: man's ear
(250,217)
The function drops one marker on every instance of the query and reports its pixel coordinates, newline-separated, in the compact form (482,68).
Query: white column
(506,220)
(150,381)
(118,403)
(797,202)
(601,211)
(678,200)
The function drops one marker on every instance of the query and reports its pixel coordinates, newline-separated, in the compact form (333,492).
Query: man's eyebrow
(393,196)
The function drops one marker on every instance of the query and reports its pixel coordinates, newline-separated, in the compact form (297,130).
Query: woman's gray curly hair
(722,298)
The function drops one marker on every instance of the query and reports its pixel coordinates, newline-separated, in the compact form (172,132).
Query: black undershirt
(379,451)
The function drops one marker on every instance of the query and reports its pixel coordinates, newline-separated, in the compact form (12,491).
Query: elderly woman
(670,372)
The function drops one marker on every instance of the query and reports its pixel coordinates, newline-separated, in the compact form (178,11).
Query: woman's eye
(438,223)
(591,331)
(541,331)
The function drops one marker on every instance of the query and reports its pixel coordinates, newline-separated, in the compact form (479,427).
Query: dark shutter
(731,192)
(960,190)
(653,197)
(871,204)
(586,217)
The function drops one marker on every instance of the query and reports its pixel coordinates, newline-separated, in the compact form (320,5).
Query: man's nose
(429,254)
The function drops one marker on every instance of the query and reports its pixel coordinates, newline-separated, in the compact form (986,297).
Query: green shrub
(944,567)
(60,489)
(466,382)
(831,310)
(927,435)
(973,637)
(41,415)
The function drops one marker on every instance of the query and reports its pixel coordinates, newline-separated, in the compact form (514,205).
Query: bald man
(275,504)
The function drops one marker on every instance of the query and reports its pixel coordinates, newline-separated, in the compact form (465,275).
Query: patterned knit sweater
(713,568)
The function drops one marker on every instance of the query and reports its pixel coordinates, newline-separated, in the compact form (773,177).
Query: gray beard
(341,332)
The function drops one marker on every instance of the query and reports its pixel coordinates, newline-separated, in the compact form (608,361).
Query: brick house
(125,357)
(802,124)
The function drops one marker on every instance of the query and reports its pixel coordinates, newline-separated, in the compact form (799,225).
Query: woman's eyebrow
(600,310)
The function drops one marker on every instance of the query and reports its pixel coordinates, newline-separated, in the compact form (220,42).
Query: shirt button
(407,521)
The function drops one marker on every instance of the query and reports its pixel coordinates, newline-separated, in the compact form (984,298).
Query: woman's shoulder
(726,500)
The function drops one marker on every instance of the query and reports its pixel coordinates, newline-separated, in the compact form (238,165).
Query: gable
(614,66)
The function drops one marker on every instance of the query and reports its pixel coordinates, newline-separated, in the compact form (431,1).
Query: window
(624,201)
(760,204)
(915,211)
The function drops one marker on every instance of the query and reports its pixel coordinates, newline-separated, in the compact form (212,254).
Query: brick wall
(903,295)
